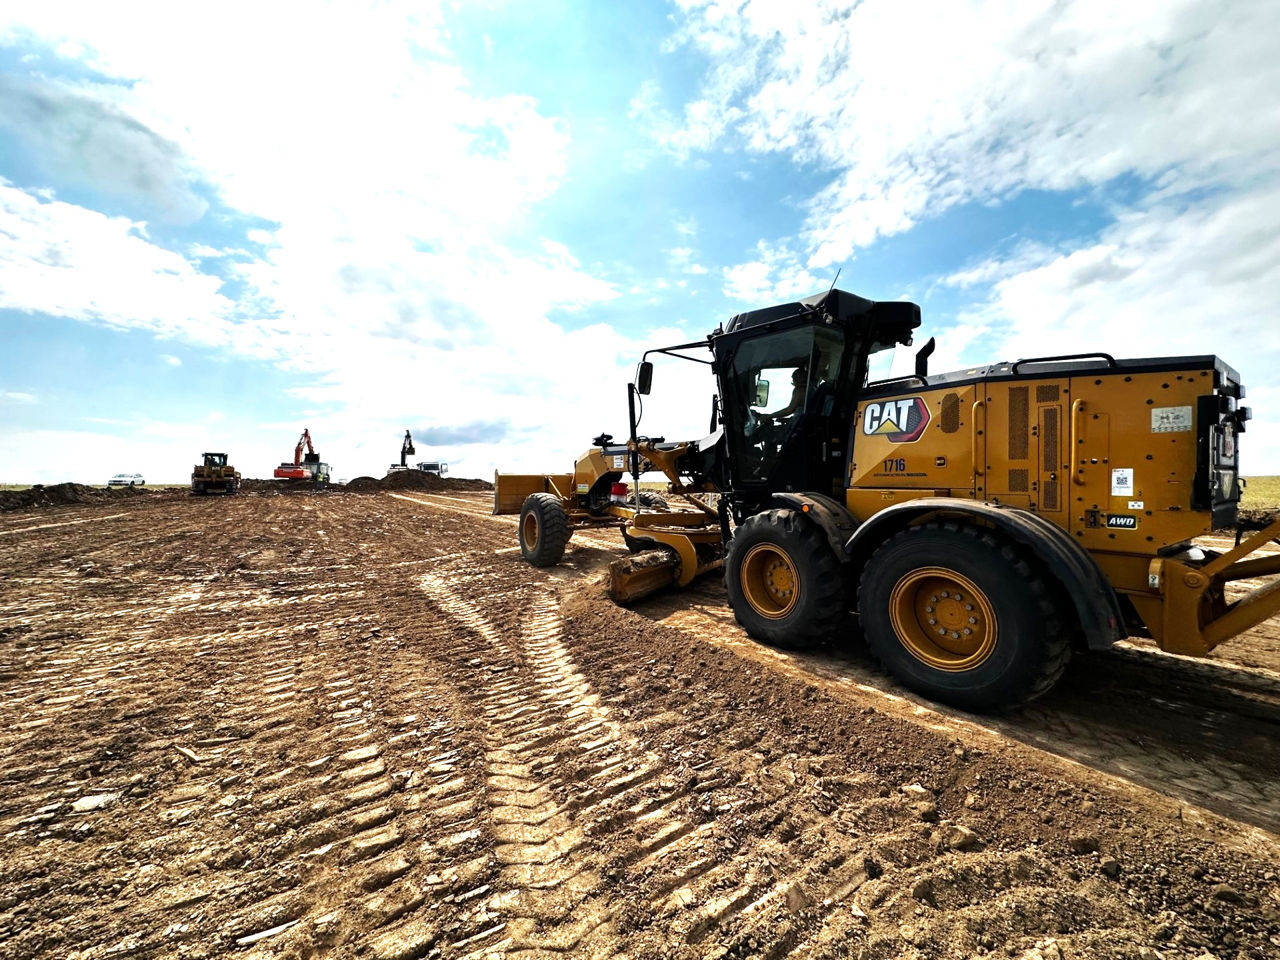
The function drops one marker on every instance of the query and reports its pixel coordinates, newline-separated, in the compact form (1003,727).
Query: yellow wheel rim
(943,619)
(769,581)
(529,530)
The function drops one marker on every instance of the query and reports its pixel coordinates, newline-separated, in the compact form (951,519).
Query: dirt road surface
(342,725)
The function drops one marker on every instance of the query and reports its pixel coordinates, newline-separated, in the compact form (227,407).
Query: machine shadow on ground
(1201,732)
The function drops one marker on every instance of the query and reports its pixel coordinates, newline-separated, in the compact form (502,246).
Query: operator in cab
(799,388)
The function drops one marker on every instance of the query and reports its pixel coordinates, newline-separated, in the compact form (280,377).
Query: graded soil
(359,725)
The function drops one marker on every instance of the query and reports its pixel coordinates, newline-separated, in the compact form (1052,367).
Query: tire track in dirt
(293,768)
(646,852)
(393,740)
(541,717)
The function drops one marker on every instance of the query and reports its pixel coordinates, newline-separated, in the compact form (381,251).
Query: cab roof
(889,321)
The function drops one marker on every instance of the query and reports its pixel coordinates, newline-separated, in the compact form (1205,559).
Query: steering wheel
(751,425)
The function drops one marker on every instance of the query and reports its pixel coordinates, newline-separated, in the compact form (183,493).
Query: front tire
(962,617)
(544,529)
(785,584)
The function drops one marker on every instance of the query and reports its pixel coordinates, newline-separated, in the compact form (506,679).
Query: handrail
(1111,361)
(872,384)
(1077,407)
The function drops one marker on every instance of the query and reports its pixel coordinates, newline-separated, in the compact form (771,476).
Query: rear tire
(784,582)
(926,586)
(544,529)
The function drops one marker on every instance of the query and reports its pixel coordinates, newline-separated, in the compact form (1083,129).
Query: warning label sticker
(1122,482)
(1170,419)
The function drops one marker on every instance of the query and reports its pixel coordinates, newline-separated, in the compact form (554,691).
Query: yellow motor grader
(980,524)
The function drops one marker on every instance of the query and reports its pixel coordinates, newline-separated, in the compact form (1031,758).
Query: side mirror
(644,377)
(762,393)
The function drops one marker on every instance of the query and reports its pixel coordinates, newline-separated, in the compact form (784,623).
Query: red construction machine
(304,466)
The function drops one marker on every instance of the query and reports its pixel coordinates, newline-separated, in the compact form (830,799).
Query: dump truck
(975,527)
(214,475)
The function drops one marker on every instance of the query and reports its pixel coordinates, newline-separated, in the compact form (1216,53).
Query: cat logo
(898,421)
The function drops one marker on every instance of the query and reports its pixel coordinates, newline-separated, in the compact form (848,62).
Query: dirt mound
(414,480)
(61,494)
(277,486)
(1259,516)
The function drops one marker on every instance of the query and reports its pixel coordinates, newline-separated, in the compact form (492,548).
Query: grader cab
(980,524)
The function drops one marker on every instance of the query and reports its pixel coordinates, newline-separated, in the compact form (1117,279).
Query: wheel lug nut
(942,631)
(944,594)
(973,619)
(966,631)
(932,622)
(928,609)
(968,606)
(934,598)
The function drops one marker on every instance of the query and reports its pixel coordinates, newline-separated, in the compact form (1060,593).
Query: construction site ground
(334,724)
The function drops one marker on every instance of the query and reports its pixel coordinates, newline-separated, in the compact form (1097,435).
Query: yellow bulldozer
(980,525)
(214,475)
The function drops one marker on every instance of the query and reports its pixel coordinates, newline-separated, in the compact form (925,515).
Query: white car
(127,480)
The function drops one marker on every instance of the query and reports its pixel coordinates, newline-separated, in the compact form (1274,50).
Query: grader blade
(638,576)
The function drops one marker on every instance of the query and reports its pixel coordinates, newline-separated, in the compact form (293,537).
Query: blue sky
(220,226)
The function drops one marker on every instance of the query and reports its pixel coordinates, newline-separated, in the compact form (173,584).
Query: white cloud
(914,110)
(777,276)
(402,274)
(171,359)
(17,396)
(682,259)
(1163,282)
(64,260)
(84,139)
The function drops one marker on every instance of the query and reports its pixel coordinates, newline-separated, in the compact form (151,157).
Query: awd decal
(1122,520)
(898,421)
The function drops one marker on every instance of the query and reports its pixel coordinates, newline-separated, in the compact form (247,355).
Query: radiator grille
(1018,480)
(1019,428)
(1048,393)
(950,420)
(1051,458)
(1050,496)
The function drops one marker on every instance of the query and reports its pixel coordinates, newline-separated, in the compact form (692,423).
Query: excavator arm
(304,440)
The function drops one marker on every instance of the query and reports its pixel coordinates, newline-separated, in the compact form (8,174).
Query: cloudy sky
(220,225)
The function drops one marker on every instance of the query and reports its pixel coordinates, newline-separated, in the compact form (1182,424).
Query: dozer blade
(638,576)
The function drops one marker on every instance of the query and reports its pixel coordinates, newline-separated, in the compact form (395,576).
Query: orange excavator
(304,466)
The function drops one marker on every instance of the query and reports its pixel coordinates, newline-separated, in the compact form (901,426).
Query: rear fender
(1062,558)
